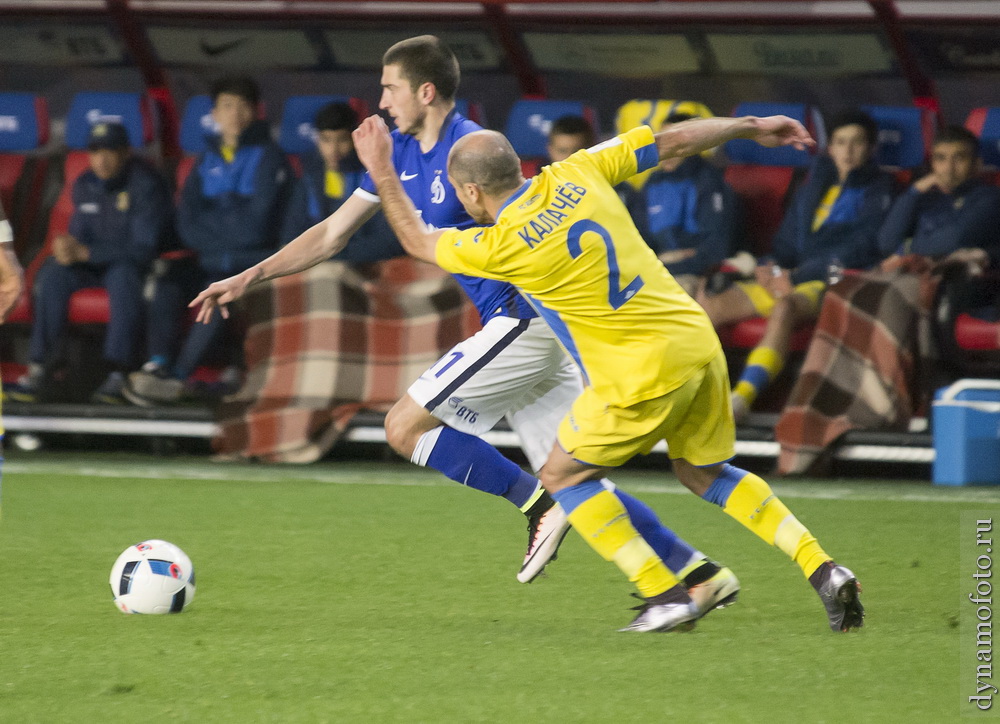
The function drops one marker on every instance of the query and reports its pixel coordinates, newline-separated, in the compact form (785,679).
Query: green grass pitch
(351,592)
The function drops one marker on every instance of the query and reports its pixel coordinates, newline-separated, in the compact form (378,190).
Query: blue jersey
(425,180)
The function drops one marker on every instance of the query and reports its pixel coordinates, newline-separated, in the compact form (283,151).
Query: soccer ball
(152,577)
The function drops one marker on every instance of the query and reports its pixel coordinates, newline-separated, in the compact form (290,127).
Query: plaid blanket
(326,343)
(865,367)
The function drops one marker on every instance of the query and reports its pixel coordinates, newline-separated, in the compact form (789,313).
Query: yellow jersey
(567,242)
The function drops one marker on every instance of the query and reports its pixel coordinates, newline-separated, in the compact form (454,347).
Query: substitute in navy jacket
(691,207)
(849,237)
(940,223)
(310,204)
(230,212)
(128,218)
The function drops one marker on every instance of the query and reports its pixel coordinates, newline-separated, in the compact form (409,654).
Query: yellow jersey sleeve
(623,156)
(459,251)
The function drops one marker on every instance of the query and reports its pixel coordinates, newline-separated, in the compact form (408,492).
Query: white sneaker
(663,617)
(545,532)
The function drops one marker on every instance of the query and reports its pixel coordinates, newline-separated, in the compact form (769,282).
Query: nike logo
(406,176)
(220,48)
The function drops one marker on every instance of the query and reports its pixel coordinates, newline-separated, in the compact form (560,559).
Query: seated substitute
(948,216)
(329,176)
(122,218)
(831,223)
(686,213)
(228,216)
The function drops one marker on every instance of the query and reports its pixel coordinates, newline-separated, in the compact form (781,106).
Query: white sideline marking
(354,474)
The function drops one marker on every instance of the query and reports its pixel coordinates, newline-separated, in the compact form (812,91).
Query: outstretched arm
(11,275)
(312,246)
(700,134)
(374,147)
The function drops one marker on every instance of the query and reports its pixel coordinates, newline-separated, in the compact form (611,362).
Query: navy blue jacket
(850,232)
(309,205)
(230,213)
(691,207)
(940,223)
(127,218)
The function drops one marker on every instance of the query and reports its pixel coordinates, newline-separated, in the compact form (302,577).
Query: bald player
(652,364)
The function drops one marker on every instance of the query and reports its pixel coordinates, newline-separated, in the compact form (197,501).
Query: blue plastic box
(966,425)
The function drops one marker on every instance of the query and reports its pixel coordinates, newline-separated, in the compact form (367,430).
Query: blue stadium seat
(196,123)
(297,130)
(747,152)
(529,121)
(905,134)
(132,110)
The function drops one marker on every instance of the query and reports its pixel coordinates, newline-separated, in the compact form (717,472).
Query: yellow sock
(605,524)
(754,505)
(762,366)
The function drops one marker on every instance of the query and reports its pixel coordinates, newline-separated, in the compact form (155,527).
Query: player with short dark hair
(425,59)
(568,135)
(653,365)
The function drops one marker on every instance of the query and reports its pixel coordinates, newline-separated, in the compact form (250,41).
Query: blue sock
(722,487)
(673,550)
(468,460)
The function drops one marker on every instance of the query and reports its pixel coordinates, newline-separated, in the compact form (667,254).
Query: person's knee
(696,479)
(404,424)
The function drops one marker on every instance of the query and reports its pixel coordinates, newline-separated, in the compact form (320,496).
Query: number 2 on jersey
(617,296)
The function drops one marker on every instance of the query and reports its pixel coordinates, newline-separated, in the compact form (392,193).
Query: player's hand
(66,250)
(926,183)
(775,131)
(373,144)
(221,293)
(676,255)
(11,281)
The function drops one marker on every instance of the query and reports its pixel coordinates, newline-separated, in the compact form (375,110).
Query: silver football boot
(838,588)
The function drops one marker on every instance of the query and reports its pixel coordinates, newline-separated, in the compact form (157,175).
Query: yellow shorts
(764,303)
(696,420)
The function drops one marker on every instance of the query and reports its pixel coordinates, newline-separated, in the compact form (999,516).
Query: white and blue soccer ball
(152,577)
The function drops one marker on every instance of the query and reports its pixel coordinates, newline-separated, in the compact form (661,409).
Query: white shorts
(511,367)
